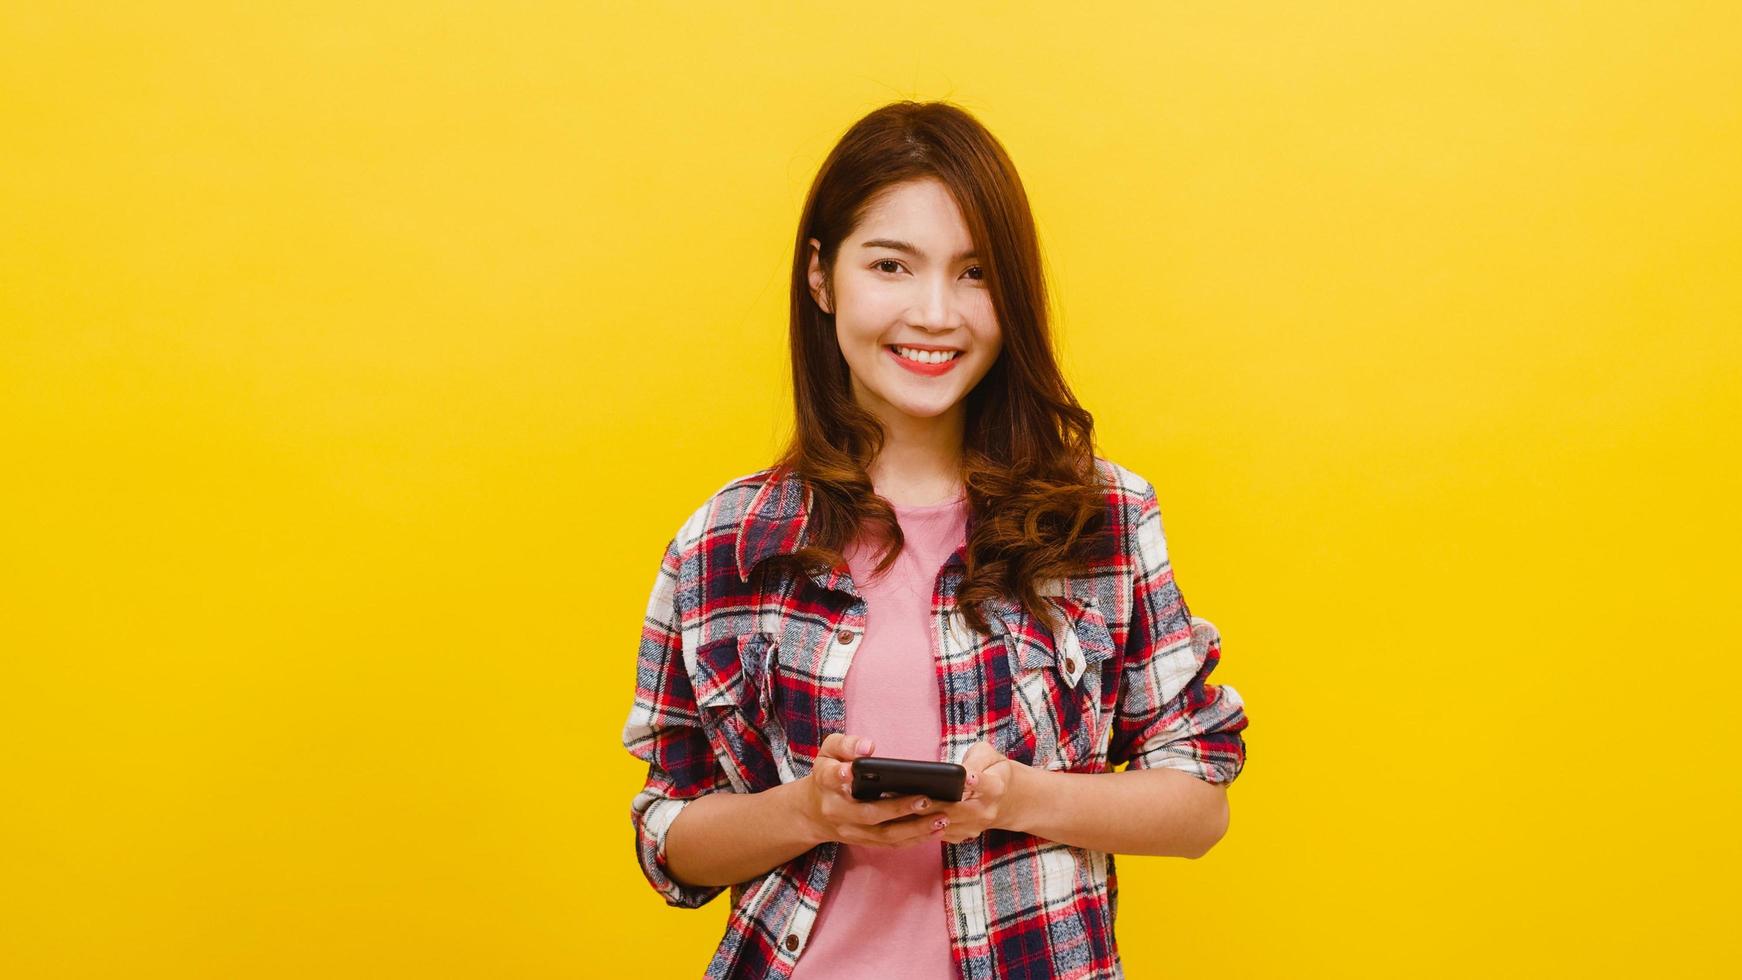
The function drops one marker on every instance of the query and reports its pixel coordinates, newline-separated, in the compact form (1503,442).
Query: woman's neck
(921,459)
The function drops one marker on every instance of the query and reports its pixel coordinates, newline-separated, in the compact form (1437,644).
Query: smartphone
(875,777)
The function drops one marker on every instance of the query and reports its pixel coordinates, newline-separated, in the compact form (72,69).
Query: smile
(928,363)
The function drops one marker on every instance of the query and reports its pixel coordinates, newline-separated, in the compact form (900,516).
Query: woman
(940,524)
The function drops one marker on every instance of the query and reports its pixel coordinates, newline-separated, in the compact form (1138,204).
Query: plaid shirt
(736,687)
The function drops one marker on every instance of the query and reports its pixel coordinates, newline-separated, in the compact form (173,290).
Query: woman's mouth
(929,363)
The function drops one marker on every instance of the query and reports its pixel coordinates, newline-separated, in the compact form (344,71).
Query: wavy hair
(1037,507)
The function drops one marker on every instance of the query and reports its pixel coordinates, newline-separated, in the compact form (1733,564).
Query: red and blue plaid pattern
(741,676)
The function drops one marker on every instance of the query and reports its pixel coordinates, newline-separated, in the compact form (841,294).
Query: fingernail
(940,823)
(922,804)
(973,777)
(863,747)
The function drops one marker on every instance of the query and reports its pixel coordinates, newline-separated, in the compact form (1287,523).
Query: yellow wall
(356,366)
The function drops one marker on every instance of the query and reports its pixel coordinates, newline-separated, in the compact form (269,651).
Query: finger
(874,812)
(831,747)
(845,773)
(979,755)
(894,808)
(843,778)
(887,834)
(970,784)
(907,830)
(840,745)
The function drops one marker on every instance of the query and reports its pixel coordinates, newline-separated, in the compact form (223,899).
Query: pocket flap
(732,670)
(1076,641)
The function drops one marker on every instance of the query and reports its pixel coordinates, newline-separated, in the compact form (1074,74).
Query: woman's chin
(924,410)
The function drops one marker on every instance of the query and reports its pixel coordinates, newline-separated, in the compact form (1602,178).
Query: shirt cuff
(651,827)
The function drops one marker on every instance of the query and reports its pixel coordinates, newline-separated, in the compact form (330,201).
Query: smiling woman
(899,312)
(939,569)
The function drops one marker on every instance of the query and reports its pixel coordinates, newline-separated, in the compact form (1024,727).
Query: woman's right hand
(834,815)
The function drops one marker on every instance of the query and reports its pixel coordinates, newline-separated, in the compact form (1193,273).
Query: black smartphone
(875,777)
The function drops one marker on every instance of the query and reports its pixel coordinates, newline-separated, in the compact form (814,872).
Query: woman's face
(906,278)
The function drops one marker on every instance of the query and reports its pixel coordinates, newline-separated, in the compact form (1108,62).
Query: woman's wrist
(1025,798)
(797,807)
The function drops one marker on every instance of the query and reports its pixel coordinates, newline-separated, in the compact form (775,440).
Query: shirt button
(845,638)
(1070,665)
(791,941)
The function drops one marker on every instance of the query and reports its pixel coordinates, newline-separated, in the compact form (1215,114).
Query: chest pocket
(734,685)
(1057,675)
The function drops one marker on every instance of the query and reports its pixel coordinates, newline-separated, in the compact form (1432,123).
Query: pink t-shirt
(883,914)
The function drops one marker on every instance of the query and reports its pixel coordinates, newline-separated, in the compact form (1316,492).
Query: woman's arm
(1178,734)
(1162,812)
(742,836)
(724,838)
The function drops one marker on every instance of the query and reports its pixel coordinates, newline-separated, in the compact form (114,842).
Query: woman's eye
(880,263)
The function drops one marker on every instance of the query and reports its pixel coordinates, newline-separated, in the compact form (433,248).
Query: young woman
(941,525)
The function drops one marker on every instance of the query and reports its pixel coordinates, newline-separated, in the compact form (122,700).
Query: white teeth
(926,356)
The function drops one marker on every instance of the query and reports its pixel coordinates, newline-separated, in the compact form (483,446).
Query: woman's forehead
(921,214)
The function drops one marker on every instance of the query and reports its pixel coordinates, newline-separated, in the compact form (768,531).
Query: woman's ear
(819,279)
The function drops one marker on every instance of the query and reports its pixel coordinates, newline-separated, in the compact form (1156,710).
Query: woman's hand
(828,804)
(985,802)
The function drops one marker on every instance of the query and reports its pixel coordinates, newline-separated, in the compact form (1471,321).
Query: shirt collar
(774,523)
(777,523)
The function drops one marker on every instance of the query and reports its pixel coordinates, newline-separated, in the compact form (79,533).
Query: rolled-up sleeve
(1169,715)
(664,730)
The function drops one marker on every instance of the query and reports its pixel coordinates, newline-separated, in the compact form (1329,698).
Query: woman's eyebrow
(909,248)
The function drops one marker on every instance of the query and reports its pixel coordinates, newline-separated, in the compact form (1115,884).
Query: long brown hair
(1037,506)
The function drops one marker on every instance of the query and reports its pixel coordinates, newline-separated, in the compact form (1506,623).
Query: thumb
(840,745)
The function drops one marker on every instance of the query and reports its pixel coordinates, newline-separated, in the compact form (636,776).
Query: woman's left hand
(985,801)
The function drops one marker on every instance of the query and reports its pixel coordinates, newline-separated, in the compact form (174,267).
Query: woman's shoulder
(725,509)
(1118,476)
(1126,488)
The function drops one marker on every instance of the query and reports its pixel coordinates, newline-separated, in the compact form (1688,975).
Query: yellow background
(359,360)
